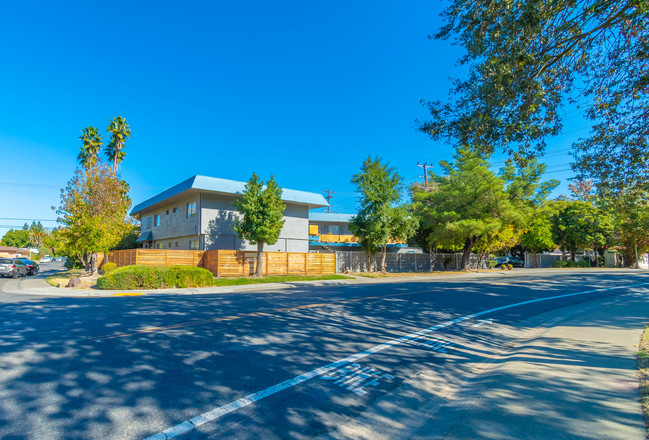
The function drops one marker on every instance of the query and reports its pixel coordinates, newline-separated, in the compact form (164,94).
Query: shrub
(510,267)
(503,267)
(144,277)
(108,267)
(562,263)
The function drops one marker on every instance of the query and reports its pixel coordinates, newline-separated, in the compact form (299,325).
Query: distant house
(330,231)
(197,214)
(13,252)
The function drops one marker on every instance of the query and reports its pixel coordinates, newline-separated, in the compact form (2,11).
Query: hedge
(146,277)
(569,263)
(108,267)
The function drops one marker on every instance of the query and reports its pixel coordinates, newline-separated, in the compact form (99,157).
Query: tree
(262,215)
(92,213)
(581,225)
(538,237)
(379,218)
(527,59)
(37,234)
(16,238)
(469,207)
(92,142)
(119,131)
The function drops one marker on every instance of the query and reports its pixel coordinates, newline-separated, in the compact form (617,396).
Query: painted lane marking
(248,400)
(483,322)
(433,344)
(355,378)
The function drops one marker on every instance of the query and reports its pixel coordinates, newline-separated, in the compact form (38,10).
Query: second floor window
(156,220)
(147,223)
(191,209)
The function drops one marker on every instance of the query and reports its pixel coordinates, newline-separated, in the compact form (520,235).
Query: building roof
(12,249)
(330,217)
(197,184)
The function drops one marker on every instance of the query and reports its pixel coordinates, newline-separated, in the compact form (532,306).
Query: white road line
(483,322)
(248,400)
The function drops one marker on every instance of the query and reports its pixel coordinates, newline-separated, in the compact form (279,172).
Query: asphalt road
(132,367)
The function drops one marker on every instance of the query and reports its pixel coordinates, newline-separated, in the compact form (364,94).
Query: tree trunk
(94,270)
(537,260)
(384,251)
(573,256)
(369,262)
(87,261)
(466,254)
(260,259)
(596,256)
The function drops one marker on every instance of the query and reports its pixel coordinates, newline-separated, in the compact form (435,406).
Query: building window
(167,212)
(175,210)
(169,244)
(158,245)
(191,209)
(156,220)
(193,245)
(334,229)
(147,223)
(177,244)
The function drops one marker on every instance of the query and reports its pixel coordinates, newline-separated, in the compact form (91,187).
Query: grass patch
(643,375)
(371,275)
(62,278)
(275,279)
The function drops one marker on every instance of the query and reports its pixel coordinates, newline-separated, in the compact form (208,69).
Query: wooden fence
(230,263)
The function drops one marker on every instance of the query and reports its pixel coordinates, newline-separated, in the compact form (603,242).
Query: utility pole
(425,176)
(329,196)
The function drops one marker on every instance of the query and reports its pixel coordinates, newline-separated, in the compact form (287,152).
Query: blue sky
(302,90)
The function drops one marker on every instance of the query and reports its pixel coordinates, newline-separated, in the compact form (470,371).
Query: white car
(46,260)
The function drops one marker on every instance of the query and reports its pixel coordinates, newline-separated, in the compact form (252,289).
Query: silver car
(12,267)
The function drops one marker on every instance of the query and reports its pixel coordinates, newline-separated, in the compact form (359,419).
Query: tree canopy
(527,59)
(93,212)
(379,217)
(262,214)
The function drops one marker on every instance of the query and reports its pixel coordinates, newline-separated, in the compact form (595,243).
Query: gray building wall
(172,224)
(217,220)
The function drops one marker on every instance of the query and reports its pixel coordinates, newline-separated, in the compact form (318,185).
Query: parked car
(46,259)
(12,267)
(61,259)
(516,262)
(32,266)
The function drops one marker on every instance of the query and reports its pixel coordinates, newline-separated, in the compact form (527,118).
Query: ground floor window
(158,245)
(193,245)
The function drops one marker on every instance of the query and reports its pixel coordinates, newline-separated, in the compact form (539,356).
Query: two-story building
(197,214)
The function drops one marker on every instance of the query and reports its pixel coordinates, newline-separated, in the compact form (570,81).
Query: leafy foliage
(262,214)
(92,143)
(527,58)
(380,218)
(469,207)
(119,131)
(145,277)
(93,212)
(16,238)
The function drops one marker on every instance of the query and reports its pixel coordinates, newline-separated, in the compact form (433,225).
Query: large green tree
(262,215)
(527,59)
(469,207)
(380,218)
(93,213)
(16,238)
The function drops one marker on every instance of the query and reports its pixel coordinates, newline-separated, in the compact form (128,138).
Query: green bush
(503,267)
(144,277)
(510,267)
(562,263)
(108,267)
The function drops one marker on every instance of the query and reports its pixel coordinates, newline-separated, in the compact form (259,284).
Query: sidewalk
(574,379)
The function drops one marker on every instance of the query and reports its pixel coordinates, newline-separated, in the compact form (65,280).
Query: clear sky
(302,90)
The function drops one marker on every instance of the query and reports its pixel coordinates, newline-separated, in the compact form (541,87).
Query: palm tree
(92,142)
(119,130)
